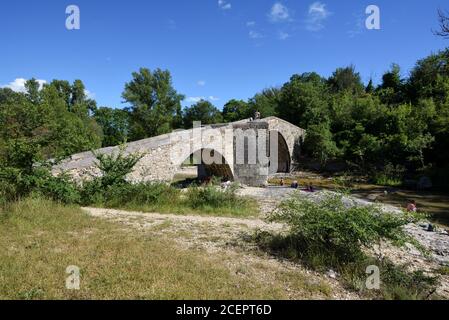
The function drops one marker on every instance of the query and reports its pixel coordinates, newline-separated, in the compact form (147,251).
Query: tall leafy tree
(319,143)
(203,111)
(32,90)
(370,87)
(346,79)
(391,91)
(303,100)
(265,102)
(155,104)
(235,110)
(115,125)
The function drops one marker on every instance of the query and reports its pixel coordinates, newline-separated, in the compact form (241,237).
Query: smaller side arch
(284,159)
(204,168)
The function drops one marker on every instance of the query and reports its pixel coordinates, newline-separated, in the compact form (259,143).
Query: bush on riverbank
(330,234)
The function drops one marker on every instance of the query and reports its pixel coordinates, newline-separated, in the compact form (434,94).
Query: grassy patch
(444,271)
(163,198)
(331,235)
(40,239)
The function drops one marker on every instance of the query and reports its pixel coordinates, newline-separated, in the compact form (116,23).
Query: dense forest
(400,125)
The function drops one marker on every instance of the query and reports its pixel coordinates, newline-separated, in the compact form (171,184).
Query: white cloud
(194,99)
(279,13)
(358,27)
(283,35)
(255,35)
(198,99)
(89,95)
(201,83)
(250,24)
(317,14)
(222,4)
(18,85)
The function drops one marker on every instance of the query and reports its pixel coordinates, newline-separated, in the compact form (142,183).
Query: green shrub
(212,197)
(115,167)
(332,230)
(144,194)
(383,180)
(60,189)
(391,176)
(329,234)
(92,192)
(15,184)
(111,187)
(8,192)
(397,283)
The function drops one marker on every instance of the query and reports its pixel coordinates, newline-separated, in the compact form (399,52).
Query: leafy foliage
(115,125)
(114,167)
(213,197)
(337,230)
(155,104)
(203,111)
(331,233)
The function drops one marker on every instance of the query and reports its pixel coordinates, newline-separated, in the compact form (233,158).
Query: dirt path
(229,239)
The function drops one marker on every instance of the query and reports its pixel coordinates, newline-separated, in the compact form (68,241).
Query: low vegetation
(39,239)
(163,198)
(332,234)
(112,190)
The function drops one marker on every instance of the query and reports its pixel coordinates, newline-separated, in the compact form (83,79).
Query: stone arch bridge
(245,151)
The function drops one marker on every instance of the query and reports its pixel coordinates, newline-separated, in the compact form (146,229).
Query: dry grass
(39,239)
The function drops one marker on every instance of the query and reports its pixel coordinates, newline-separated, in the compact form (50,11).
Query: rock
(332,274)
(372,197)
(435,242)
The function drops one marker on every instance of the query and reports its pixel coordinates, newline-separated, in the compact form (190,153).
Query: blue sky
(214,49)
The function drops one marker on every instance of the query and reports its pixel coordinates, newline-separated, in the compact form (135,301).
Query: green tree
(428,78)
(391,91)
(68,132)
(115,125)
(203,111)
(64,90)
(265,102)
(155,104)
(32,89)
(370,87)
(346,79)
(235,110)
(319,143)
(304,100)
